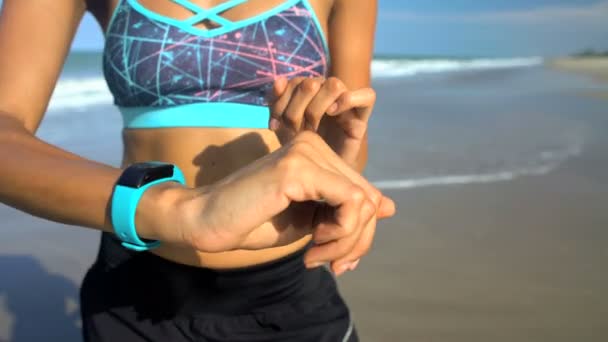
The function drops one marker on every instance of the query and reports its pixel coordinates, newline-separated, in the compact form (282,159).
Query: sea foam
(390,68)
(547,162)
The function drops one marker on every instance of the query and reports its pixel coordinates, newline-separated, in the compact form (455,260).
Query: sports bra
(165,72)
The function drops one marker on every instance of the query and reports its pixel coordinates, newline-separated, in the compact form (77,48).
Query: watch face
(140,174)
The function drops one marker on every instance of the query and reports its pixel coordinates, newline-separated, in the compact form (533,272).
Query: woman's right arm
(36,177)
(39,178)
(46,181)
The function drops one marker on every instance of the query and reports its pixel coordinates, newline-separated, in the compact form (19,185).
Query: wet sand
(523,260)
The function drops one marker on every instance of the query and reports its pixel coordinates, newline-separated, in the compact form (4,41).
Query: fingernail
(343,268)
(353,265)
(274,124)
(315,264)
(332,108)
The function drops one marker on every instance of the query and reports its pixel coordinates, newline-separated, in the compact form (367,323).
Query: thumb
(386,208)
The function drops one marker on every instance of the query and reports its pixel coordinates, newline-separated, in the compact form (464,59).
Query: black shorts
(130,296)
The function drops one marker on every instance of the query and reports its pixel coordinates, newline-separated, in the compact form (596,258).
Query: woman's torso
(205,154)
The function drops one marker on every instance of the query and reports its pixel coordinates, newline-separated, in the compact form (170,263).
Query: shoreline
(594,67)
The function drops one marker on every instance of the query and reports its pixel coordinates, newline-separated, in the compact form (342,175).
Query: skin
(210,165)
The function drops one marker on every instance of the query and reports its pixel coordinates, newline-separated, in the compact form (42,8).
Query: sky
(491,28)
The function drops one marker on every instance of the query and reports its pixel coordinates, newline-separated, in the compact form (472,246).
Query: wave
(77,94)
(390,68)
(548,161)
(460,179)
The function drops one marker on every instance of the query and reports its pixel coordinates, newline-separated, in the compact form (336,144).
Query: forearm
(361,161)
(51,183)
(48,182)
(351,47)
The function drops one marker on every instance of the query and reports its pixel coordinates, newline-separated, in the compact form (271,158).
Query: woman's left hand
(324,106)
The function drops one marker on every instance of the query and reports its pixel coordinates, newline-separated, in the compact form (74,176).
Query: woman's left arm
(351,30)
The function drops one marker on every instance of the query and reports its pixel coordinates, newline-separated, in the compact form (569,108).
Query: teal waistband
(201,114)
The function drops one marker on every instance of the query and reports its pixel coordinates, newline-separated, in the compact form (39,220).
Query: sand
(596,67)
(523,260)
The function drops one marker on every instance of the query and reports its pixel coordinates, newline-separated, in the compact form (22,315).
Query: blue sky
(470,27)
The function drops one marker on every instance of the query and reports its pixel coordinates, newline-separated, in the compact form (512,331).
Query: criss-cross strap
(213,14)
(201,14)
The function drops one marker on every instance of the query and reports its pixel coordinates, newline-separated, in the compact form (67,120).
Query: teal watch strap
(124,205)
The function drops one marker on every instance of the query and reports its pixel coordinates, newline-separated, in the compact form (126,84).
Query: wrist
(156,213)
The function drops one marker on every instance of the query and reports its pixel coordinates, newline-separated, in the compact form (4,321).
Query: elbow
(12,128)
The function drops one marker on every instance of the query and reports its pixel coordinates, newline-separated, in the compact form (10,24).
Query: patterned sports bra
(165,72)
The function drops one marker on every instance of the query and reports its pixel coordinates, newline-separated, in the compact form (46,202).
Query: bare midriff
(206,155)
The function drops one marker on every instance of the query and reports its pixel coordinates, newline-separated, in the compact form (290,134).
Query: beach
(595,67)
(521,260)
(500,173)
(497,256)
(592,66)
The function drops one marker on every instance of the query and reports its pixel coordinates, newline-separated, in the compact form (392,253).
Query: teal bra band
(200,114)
(124,205)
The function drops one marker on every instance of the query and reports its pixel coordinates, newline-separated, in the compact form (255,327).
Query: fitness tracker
(131,185)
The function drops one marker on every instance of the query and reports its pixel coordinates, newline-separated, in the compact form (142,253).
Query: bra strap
(202,14)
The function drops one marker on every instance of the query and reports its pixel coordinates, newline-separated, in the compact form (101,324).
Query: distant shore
(593,66)
(596,67)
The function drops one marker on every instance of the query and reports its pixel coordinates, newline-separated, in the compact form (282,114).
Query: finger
(322,155)
(323,232)
(278,88)
(387,208)
(326,97)
(361,99)
(304,179)
(277,108)
(293,115)
(361,248)
(327,158)
(344,221)
(325,228)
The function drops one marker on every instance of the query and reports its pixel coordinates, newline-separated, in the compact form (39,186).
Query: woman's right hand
(304,175)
